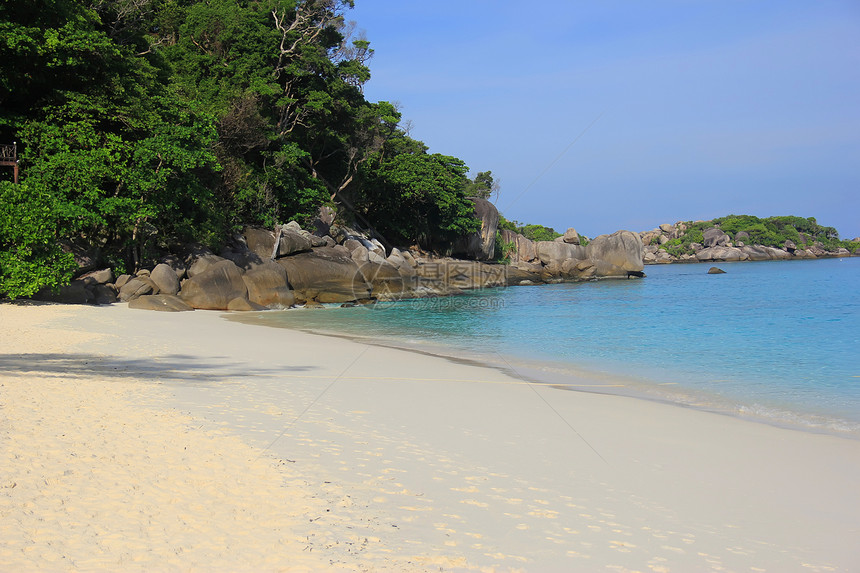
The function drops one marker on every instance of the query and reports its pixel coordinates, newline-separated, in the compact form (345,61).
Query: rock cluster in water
(717,246)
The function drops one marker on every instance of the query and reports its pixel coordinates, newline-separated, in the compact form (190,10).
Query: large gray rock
(616,255)
(200,264)
(375,257)
(74,293)
(104,294)
(137,287)
(481,244)
(576,269)
(409,258)
(165,278)
(523,274)
(260,241)
(756,253)
(554,252)
(325,274)
(176,264)
(571,237)
(778,254)
(715,237)
(292,242)
(214,288)
(160,302)
(353,244)
(722,254)
(406,269)
(360,254)
(267,286)
(385,279)
(101,277)
(526,248)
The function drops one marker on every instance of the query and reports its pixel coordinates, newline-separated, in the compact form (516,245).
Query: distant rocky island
(744,238)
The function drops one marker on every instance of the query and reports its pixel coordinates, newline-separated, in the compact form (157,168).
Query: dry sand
(133,440)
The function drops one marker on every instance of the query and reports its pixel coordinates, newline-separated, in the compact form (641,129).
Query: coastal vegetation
(144,124)
(532,232)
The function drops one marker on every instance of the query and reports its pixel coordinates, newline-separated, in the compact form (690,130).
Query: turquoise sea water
(775,341)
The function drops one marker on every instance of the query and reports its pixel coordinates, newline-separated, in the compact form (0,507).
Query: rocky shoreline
(287,266)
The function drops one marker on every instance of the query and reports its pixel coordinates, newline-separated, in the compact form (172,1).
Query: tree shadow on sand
(169,369)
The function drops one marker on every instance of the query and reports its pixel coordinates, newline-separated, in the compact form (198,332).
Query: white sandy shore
(133,440)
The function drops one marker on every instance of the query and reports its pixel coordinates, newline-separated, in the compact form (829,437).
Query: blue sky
(683,109)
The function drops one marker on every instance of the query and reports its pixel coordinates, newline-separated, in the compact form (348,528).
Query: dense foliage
(145,124)
(530,231)
(775,231)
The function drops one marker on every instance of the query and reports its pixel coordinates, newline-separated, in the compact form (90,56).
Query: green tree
(539,233)
(145,123)
(483,186)
(418,198)
(110,151)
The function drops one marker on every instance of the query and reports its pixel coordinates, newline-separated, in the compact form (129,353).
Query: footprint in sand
(545,513)
(578,555)
(673,549)
(475,502)
(622,546)
(470,489)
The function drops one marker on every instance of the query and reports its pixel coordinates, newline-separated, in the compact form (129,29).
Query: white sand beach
(141,441)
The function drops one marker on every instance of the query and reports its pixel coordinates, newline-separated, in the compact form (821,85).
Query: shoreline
(417,462)
(576,378)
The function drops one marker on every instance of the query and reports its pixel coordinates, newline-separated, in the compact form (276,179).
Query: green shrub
(539,233)
(503,250)
(31,220)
